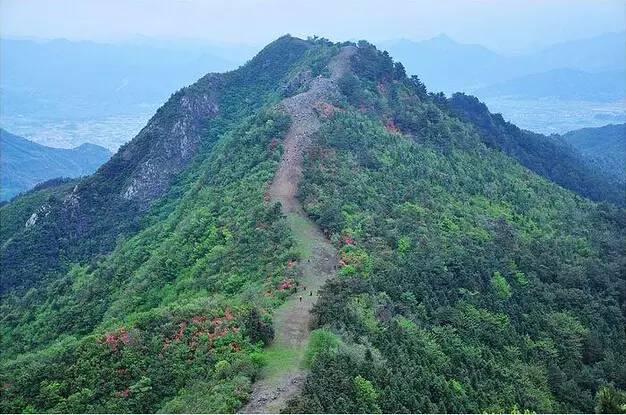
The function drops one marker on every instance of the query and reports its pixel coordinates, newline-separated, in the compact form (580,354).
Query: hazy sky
(505,25)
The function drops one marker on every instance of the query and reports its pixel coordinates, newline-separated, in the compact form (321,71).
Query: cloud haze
(499,24)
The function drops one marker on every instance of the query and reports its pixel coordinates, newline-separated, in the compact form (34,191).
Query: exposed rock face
(301,80)
(106,204)
(174,140)
(143,169)
(44,210)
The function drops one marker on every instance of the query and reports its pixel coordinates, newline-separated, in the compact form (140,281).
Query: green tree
(501,286)
(365,396)
(610,400)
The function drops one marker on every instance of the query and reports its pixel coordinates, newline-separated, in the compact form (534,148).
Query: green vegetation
(300,231)
(550,157)
(467,282)
(277,360)
(604,148)
(169,312)
(478,285)
(322,342)
(17,213)
(164,310)
(90,220)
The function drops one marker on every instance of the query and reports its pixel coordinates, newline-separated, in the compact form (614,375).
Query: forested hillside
(603,147)
(175,315)
(111,203)
(465,276)
(551,157)
(470,278)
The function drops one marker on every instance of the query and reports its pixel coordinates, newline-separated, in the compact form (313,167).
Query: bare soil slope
(284,374)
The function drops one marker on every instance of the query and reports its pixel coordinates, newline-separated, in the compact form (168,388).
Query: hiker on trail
(300,298)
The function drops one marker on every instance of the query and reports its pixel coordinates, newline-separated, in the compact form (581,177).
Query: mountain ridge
(550,157)
(110,203)
(455,261)
(603,147)
(293,320)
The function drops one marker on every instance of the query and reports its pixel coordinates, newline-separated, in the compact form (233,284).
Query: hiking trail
(283,376)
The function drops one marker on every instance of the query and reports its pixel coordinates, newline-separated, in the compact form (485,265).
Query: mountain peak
(317,170)
(443,38)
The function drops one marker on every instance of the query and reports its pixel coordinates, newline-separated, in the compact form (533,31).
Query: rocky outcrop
(301,81)
(87,220)
(174,134)
(43,211)
(80,224)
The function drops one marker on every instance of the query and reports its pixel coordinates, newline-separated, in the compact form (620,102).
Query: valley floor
(554,116)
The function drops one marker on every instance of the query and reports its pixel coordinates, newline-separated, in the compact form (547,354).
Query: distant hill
(603,147)
(25,164)
(437,61)
(594,54)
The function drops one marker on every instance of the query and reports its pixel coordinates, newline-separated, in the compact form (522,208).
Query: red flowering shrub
(348,240)
(287,284)
(123,394)
(391,127)
(114,338)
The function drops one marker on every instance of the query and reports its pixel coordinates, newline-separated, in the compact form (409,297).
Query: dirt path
(284,373)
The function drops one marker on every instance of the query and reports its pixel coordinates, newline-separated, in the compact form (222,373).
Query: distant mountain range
(587,69)
(437,62)
(603,147)
(25,164)
(103,93)
(88,79)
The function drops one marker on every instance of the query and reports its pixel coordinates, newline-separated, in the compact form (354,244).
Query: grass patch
(280,360)
(302,229)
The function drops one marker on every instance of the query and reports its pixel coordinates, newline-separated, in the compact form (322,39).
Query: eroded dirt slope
(284,374)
